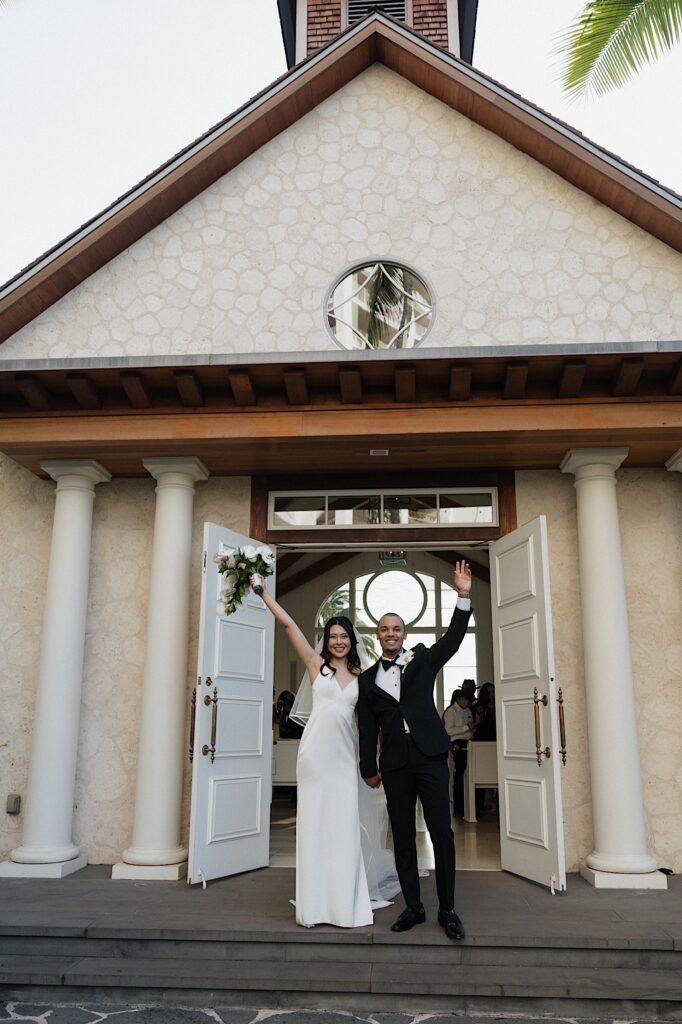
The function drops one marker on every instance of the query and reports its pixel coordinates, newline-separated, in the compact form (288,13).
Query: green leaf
(611,40)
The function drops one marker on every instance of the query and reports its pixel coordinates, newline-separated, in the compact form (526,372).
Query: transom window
(379,305)
(398,508)
(423,601)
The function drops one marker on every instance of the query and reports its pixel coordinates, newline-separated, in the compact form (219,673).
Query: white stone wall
(513,253)
(26,511)
(115,641)
(650,510)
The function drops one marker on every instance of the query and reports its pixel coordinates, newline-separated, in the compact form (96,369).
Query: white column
(48,850)
(620,858)
(155,851)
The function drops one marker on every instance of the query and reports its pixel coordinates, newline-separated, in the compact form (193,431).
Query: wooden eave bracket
(350,385)
(242,387)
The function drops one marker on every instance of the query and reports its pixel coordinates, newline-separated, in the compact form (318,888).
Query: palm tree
(610,40)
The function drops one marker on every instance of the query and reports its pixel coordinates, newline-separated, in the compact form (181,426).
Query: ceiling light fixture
(378,451)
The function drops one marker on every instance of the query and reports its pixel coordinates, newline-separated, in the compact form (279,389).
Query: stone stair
(362,970)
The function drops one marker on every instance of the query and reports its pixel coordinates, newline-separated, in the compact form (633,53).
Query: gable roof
(377,38)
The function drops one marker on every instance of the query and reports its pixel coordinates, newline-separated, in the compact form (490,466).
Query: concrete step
(393,950)
(394,979)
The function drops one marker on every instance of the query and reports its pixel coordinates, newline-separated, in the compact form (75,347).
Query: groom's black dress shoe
(409,918)
(451,924)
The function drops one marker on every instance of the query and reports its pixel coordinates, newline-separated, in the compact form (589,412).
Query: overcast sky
(94,94)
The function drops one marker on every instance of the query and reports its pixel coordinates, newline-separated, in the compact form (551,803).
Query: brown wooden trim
(189,388)
(478,571)
(460,382)
(242,387)
(84,391)
(350,385)
(515,380)
(296,387)
(627,377)
(405,383)
(136,390)
(311,572)
(572,377)
(34,391)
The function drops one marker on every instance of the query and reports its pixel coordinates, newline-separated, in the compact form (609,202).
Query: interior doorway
(364,583)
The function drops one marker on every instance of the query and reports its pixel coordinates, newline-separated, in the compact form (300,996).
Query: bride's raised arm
(310,658)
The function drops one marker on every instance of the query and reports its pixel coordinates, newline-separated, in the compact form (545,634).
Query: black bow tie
(385,664)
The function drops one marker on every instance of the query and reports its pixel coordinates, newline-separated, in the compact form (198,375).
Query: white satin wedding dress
(331,879)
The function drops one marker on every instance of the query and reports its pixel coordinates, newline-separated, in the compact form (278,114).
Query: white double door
(232,736)
(232,730)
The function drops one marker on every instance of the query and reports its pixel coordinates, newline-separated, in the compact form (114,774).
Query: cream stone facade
(650,509)
(514,254)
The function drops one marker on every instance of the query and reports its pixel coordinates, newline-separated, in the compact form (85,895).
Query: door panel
(231,776)
(531,817)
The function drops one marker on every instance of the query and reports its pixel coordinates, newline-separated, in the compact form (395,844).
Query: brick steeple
(308,25)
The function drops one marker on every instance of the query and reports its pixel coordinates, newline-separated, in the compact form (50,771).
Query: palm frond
(612,39)
(384,300)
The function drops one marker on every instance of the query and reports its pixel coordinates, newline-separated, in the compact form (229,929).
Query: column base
(150,872)
(58,869)
(622,880)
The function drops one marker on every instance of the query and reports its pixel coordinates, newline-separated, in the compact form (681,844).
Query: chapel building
(386,315)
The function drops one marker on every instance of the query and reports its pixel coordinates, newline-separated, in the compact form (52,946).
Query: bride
(331,875)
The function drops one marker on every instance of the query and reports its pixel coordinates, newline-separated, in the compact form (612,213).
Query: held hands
(374,782)
(462,578)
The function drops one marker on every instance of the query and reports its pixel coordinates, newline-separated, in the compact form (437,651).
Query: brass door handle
(192,723)
(206,749)
(562,725)
(537,701)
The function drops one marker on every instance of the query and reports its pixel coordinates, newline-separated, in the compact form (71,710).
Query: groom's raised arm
(368,729)
(449,643)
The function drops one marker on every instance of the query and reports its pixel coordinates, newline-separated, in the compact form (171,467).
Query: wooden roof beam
(460,382)
(515,378)
(34,392)
(84,391)
(137,392)
(676,382)
(242,387)
(311,572)
(190,390)
(627,377)
(572,378)
(350,385)
(296,387)
(480,572)
(405,383)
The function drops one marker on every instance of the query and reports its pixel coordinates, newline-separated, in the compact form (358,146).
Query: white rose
(267,555)
(249,552)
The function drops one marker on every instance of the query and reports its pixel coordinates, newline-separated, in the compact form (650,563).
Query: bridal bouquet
(237,567)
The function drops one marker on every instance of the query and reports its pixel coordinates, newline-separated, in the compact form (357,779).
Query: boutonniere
(405,658)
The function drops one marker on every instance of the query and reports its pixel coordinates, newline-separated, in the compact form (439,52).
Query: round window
(379,305)
(398,592)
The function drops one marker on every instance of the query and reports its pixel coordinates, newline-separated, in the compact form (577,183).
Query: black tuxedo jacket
(378,712)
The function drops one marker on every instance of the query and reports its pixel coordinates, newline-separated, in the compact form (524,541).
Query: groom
(396,702)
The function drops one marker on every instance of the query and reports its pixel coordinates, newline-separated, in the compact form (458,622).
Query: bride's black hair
(352,658)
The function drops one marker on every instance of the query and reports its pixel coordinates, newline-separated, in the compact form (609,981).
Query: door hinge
(204,561)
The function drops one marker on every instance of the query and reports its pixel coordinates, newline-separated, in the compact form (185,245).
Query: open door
(231,742)
(531,816)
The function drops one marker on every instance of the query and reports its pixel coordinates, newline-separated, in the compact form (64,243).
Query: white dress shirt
(388,680)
